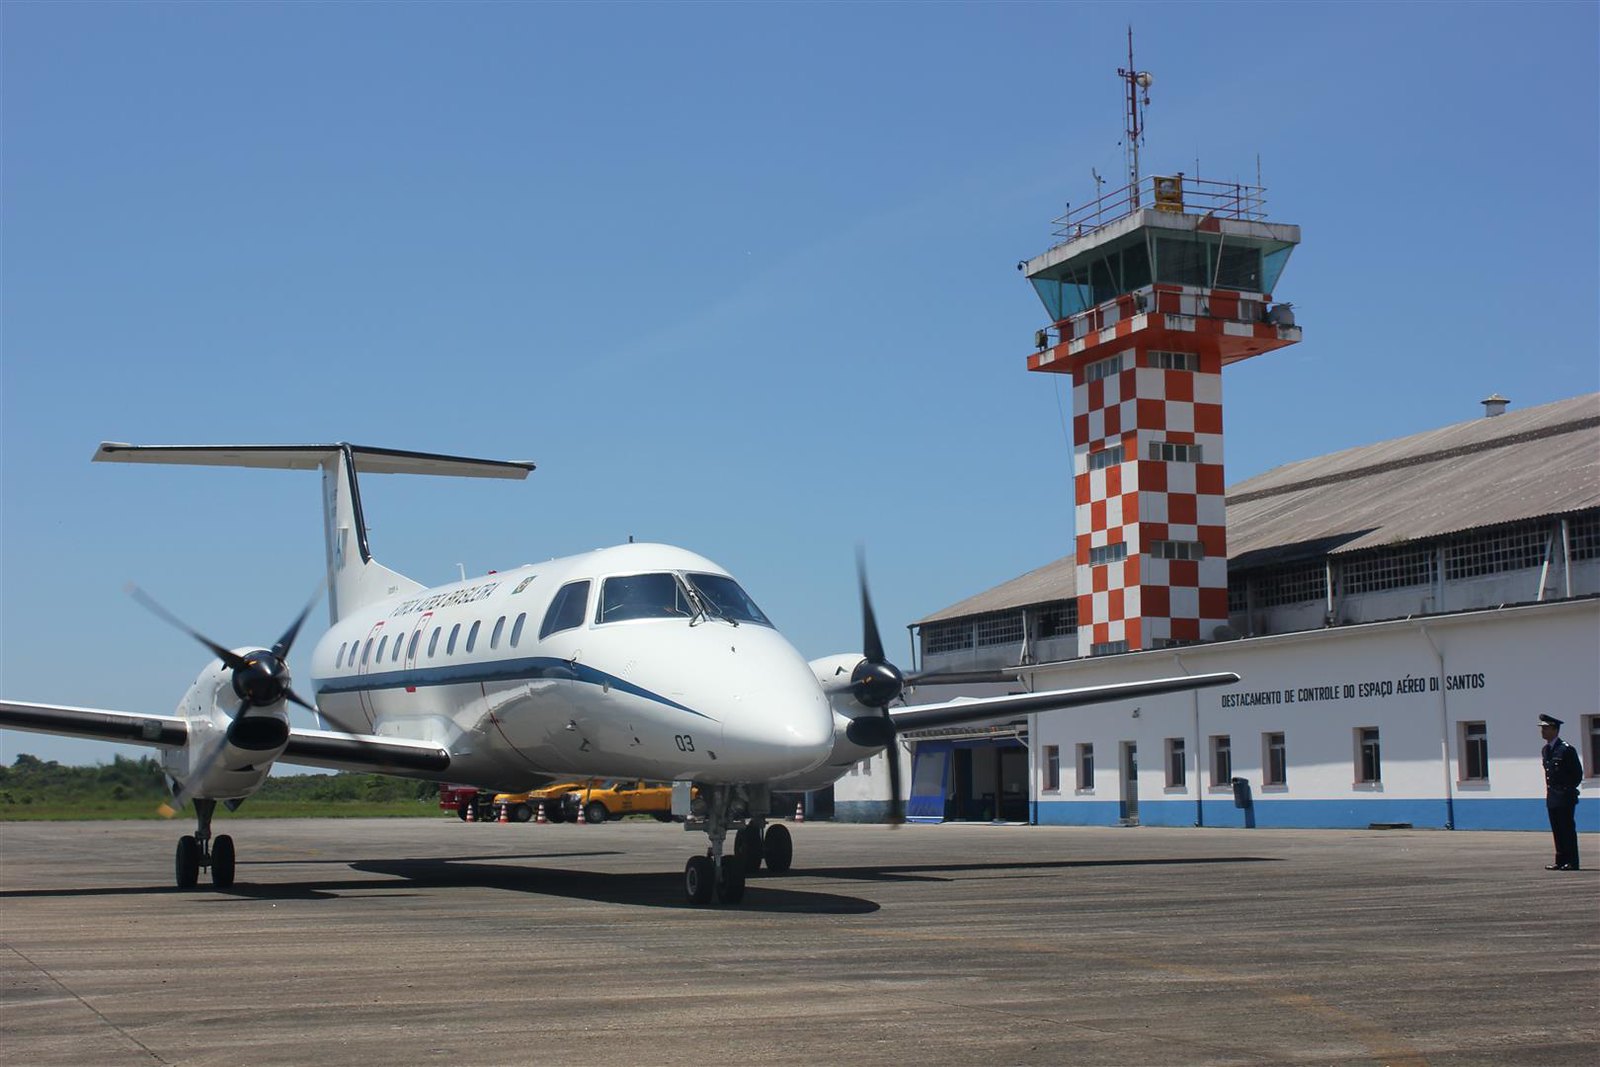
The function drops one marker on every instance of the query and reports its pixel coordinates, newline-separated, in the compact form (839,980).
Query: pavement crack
(69,991)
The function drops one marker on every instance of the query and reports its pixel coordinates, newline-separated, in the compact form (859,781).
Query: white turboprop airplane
(640,661)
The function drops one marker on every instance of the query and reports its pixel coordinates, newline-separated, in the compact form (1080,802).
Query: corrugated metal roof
(1484,472)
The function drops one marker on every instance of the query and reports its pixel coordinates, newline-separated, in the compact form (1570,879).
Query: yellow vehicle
(616,799)
(521,807)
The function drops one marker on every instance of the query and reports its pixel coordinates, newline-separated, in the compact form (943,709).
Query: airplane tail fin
(356,579)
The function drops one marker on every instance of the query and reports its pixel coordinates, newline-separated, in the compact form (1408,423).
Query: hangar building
(1399,613)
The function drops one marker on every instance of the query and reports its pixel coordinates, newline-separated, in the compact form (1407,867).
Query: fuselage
(642,661)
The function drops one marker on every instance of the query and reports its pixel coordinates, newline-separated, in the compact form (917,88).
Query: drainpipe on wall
(1566,561)
(1444,733)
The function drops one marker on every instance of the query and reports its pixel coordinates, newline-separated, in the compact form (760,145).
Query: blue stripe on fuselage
(504,670)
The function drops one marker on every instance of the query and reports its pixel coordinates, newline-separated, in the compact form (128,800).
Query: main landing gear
(720,876)
(199,850)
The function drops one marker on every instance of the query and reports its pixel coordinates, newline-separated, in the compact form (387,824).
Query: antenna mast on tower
(1138,82)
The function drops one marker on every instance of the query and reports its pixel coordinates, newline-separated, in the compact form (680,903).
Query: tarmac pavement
(419,941)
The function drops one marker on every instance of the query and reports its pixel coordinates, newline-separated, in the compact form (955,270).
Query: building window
(1057,620)
(1369,765)
(1105,368)
(1106,457)
(943,637)
(1052,768)
(1177,776)
(1172,360)
(1275,759)
(1177,550)
(1002,629)
(1221,760)
(1583,537)
(1085,768)
(1506,549)
(1108,648)
(1108,554)
(1287,585)
(1474,752)
(1172,452)
(1389,570)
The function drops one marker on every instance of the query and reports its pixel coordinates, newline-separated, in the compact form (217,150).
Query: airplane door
(1130,782)
(369,653)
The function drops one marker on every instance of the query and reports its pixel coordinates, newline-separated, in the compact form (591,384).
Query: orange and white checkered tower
(1156,287)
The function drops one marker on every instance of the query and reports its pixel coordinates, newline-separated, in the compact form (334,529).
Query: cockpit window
(643,596)
(724,598)
(566,610)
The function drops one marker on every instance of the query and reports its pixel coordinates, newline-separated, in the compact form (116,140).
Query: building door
(1130,783)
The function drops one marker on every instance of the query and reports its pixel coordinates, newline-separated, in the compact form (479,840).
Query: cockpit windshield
(725,599)
(692,597)
(644,596)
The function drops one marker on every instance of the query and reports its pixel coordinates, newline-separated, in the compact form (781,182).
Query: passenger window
(499,628)
(399,640)
(516,629)
(450,645)
(381,642)
(338,661)
(366,651)
(433,642)
(472,634)
(567,609)
(416,639)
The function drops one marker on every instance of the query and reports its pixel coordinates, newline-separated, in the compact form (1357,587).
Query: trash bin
(1241,793)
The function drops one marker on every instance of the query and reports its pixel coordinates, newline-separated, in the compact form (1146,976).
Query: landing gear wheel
(186,864)
(730,880)
(778,848)
(595,812)
(222,862)
(747,848)
(698,879)
(522,813)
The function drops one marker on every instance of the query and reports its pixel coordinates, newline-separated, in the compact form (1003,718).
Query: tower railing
(1177,194)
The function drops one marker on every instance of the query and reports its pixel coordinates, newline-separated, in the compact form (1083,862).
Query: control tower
(1155,288)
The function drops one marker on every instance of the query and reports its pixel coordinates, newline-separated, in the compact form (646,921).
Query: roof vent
(1494,404)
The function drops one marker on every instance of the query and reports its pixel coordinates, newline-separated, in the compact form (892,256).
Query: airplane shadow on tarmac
(656,889)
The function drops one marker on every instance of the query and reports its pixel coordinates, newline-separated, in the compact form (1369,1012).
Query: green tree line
(31,781)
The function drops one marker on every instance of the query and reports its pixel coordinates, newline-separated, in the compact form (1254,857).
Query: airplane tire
(778,848)
(747,848)
(730,880)
(699,879)
(222,862)
(186,863)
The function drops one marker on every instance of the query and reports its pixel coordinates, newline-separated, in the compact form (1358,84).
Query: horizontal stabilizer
(368,460)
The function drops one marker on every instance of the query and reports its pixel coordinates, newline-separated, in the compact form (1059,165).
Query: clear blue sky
(738,277)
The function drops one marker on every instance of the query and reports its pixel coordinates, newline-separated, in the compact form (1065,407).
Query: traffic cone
(799,812)
(541,820)
(472,806)
(581,820)
(503,817)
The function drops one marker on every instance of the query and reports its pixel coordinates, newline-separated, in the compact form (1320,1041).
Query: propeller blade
(227,656)
(871,643)
(295,698)
(187,791)
(281,649)
(897,804)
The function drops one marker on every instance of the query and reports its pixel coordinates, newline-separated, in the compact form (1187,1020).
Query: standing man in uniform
(1562,773)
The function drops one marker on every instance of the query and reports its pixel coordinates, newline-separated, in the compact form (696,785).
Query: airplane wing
(964,710)
(316,748)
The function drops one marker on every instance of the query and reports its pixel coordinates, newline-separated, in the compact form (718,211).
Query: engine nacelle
(230,752)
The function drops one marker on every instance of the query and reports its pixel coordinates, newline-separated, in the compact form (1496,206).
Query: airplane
(638,661)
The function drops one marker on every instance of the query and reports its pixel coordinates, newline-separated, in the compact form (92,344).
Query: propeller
(260,678)
(877,683)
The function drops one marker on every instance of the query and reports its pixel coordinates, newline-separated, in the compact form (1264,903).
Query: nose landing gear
(721,875)
(198,850)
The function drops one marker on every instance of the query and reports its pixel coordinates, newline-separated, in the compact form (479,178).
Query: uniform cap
(1550,720)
